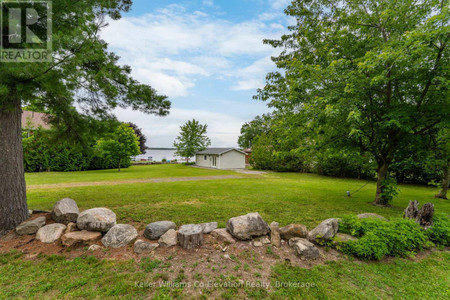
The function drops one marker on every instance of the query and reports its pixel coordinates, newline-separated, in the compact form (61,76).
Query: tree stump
(425,216)
(190,236)
(412,210)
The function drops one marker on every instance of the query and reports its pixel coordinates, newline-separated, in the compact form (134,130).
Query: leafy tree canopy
(372,74)
(192,139)
(120,145)
(252,129)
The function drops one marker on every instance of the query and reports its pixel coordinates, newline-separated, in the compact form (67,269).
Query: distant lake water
(158,154)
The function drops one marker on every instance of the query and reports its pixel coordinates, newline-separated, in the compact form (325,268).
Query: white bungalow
(221,158)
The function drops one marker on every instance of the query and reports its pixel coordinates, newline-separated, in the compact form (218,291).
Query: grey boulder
(222,234)
(30,227)
(80,238)
(71,227)
(275,237)
(155,230)
(342,238)
(261,241)
(293,230)
(141,246)
(65,211)
(96,219)
(50,233)
(247,226)
(168,239)
(304,249)
(208,227)
(325,231)
(120,235)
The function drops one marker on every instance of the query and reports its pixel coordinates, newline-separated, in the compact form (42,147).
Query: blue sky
(207,56)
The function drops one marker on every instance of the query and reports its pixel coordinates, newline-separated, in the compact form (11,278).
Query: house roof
(35,119)
(218,151)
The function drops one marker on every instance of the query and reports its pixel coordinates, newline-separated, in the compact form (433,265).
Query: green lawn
(283,197)
(87,277)
(133,172)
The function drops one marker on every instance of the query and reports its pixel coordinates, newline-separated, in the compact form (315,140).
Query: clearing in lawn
(238,271)
(133,172)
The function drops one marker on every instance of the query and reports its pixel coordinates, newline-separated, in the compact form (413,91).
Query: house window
(205,157)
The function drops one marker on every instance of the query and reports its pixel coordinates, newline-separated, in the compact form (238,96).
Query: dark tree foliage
(250,130)
(141,137)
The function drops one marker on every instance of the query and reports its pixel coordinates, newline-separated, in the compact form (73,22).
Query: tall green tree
(120,145)
(367,74)
(82,71)
(443,152)
(192,139)
(250,130)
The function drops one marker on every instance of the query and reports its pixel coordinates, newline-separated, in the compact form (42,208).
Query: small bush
(371,246)
(439,233)
(378,238)
(389,190)
(358,227)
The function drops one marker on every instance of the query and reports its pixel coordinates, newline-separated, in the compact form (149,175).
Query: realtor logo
(26,31)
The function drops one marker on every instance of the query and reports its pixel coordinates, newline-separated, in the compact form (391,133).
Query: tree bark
(382,171)
(445,182)
(13,199)
(119,165)
(190,236)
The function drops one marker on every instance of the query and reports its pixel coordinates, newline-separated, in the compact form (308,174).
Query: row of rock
(90,226)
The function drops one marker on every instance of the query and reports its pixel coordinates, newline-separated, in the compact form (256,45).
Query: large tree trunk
(445,182)
(382,172)
(13,199)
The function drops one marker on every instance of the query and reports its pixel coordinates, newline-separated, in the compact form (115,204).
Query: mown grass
(282,197)
(87,277)
(397,279)
(133,172)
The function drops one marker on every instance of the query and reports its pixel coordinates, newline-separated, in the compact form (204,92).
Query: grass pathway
(130,181)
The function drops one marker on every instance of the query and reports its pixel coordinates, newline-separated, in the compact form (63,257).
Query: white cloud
(173,49)
(165,84)
(250,77)
(208,2)
(280,4)
(179,47)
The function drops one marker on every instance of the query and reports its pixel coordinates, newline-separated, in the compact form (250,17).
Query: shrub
(266,156)
(389,190)
(371,246)
(439,233)
(358,227)
(379,238)
(43,150)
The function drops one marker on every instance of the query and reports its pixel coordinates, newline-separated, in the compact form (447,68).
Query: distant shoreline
(150,148)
